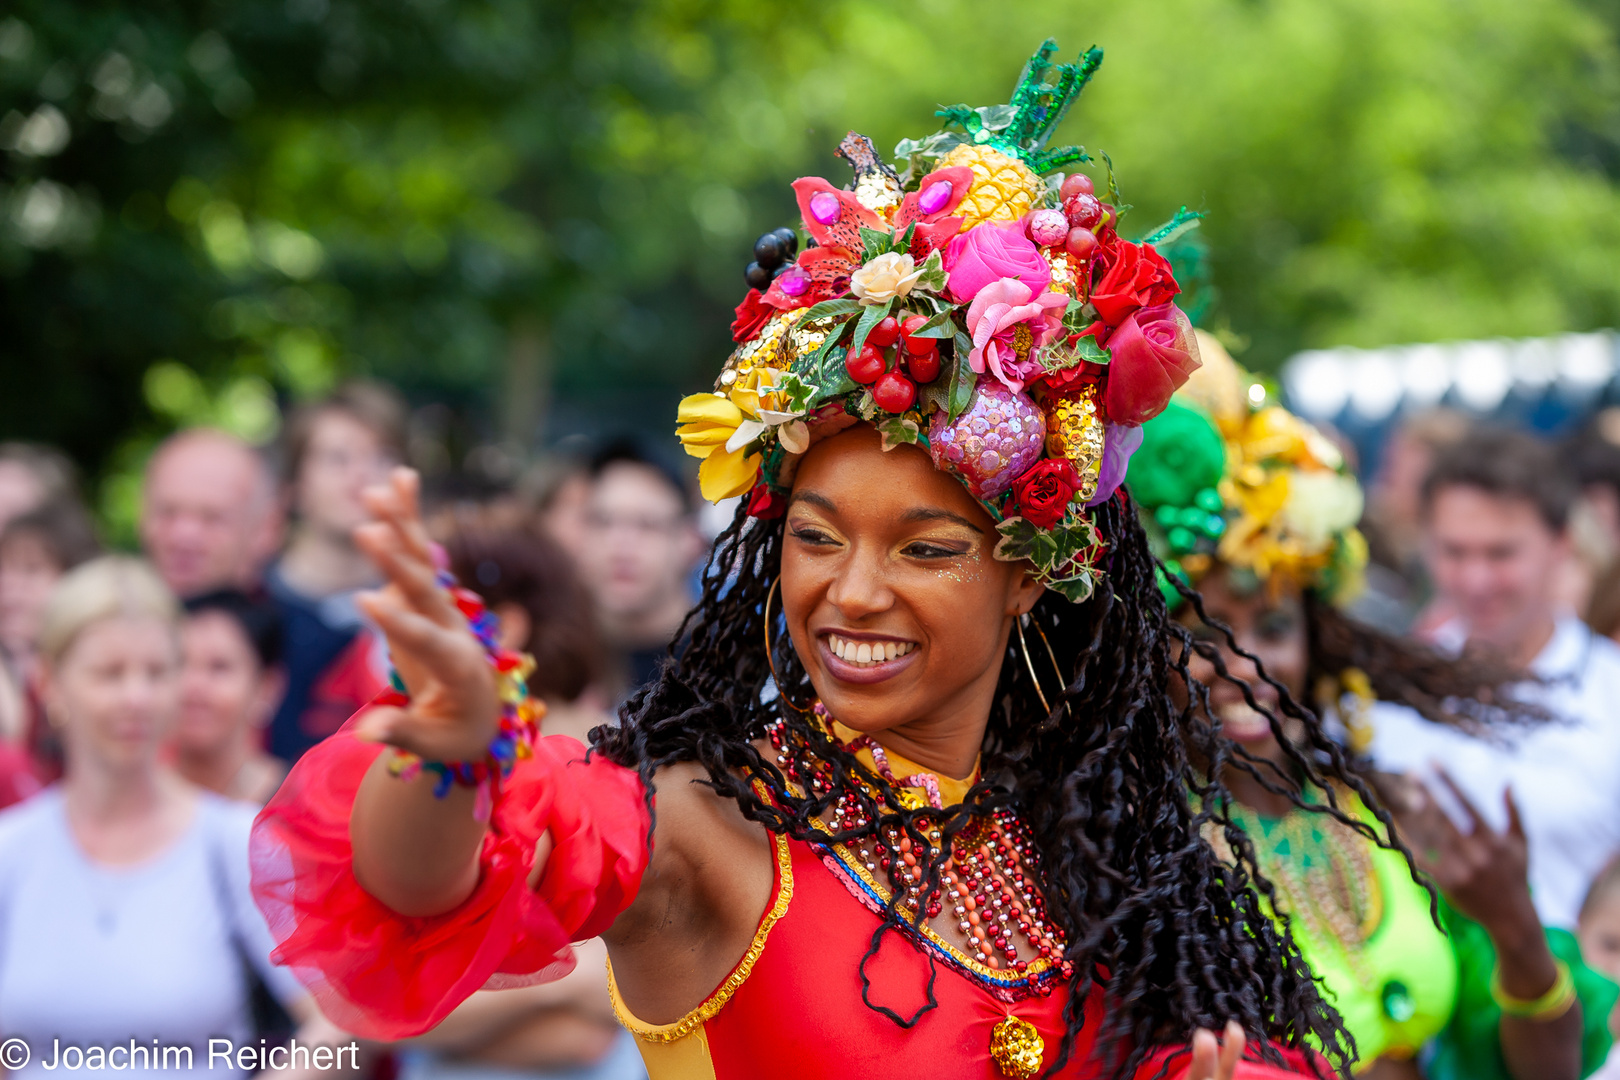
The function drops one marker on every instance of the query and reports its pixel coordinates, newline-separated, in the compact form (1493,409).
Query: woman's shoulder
(30,828)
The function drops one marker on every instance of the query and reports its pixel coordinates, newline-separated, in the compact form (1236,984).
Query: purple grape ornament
(993,443)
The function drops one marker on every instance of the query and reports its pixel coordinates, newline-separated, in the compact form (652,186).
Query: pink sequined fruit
(992,444)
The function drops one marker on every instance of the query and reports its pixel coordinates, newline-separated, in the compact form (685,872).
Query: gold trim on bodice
(716,1001)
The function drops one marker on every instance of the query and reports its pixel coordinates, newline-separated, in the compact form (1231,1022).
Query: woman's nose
(860,587)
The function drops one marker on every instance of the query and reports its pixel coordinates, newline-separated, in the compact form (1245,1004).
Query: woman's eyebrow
(814,499)
(933,513)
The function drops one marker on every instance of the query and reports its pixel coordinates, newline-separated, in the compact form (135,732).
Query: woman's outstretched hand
(454,710)
(1216,1060)
(1482,872)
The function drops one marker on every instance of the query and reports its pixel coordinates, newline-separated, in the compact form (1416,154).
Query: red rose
(1044,492)
(1134,276)
(1152,353)
(752,315)
(766,503)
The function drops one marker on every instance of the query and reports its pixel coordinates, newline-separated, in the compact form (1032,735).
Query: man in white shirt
(1496,512)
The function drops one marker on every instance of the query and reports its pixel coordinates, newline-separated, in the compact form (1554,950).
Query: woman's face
(896,606)
(1267,626)
(224,690)
(27,574)
(116,692)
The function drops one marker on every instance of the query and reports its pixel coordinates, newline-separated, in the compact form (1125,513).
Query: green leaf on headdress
(933,277)
(1184,222)
(870,317)
(941,325)
(1076,589)
(828,308)
(898,430)
(996,117)
(1018,537)
(1091,352)
(877,242)
(963,379)
(1115,199)
(1077,316)
(921,155)
(798,393)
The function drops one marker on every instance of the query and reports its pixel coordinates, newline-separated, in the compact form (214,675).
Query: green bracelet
(1549,1006)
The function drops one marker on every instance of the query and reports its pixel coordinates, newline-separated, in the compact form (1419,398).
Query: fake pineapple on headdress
(978,303)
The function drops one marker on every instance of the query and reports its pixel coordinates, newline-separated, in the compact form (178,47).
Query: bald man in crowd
(210,517)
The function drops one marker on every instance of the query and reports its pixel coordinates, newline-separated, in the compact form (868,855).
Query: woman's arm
(416,853)
(1484,876)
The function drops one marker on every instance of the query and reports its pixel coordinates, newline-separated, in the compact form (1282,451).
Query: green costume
(1364,928)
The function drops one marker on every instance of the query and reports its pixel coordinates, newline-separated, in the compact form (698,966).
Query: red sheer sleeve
(382,975)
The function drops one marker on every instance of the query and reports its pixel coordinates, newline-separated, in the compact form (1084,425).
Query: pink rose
(1153,352)
(1007,327)
(987,253)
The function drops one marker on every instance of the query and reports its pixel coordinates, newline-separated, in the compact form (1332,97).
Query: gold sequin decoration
(878,192)
(1017,1048)
(1065,277)
(1075,431)
(782,340)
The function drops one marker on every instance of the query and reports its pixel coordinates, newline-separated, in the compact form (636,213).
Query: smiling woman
(915,788)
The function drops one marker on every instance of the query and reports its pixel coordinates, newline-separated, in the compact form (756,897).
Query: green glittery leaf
(1183,223)
(877,242)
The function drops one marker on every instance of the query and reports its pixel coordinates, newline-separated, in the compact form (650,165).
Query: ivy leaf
(877,242)
(1074,589)
(1074,317)
(796,392)
(963,379)
(904,243)
(1018,536)
(898,430)
(934,278)
(814,365)
(1091,352)
(996,117)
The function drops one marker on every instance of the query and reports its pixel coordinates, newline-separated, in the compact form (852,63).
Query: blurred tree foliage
(504,205)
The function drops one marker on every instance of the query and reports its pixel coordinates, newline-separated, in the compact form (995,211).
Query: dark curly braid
(1471,692)
(1114,783)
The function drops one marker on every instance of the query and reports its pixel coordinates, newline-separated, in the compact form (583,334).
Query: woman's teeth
(868,652)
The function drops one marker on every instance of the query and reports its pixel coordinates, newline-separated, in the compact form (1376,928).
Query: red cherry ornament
(924,367)
(885,333)
(893,392)
(865,365)
(1083,211)
(1081,243)
(1076,184)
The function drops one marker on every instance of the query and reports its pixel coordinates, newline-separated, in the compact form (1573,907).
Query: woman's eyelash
(933,551)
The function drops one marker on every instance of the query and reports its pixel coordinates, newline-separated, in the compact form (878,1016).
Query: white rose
(885,277)
(1320,505)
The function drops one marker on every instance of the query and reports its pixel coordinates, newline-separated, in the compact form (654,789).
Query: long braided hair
(1117,784)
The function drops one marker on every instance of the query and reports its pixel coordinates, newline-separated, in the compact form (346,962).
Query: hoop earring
(1035,679)
(770,655)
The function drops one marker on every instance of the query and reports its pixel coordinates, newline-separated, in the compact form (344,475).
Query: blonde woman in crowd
(125,917)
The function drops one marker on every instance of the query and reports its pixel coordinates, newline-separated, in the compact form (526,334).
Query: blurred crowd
(149,704)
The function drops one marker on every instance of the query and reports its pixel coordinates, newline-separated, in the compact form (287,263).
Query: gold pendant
(1017,1048)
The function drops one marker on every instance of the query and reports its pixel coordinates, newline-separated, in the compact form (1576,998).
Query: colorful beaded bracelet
(1549,1006)
(520,714)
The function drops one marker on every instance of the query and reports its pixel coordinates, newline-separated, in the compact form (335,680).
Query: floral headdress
(978,303)
(1222,475)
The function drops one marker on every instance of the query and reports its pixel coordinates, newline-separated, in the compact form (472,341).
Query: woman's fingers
(1476,822)
(1231,1050)
(408,630)
(1205,1055)
(414,577)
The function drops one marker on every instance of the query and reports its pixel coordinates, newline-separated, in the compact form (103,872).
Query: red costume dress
(791,1009)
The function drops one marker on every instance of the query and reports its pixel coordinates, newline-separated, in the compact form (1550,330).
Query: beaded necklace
(1323,873)
(989,880)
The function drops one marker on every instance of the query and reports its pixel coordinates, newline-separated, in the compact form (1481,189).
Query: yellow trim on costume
(694,1020)
(951,790)
(1000,975)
